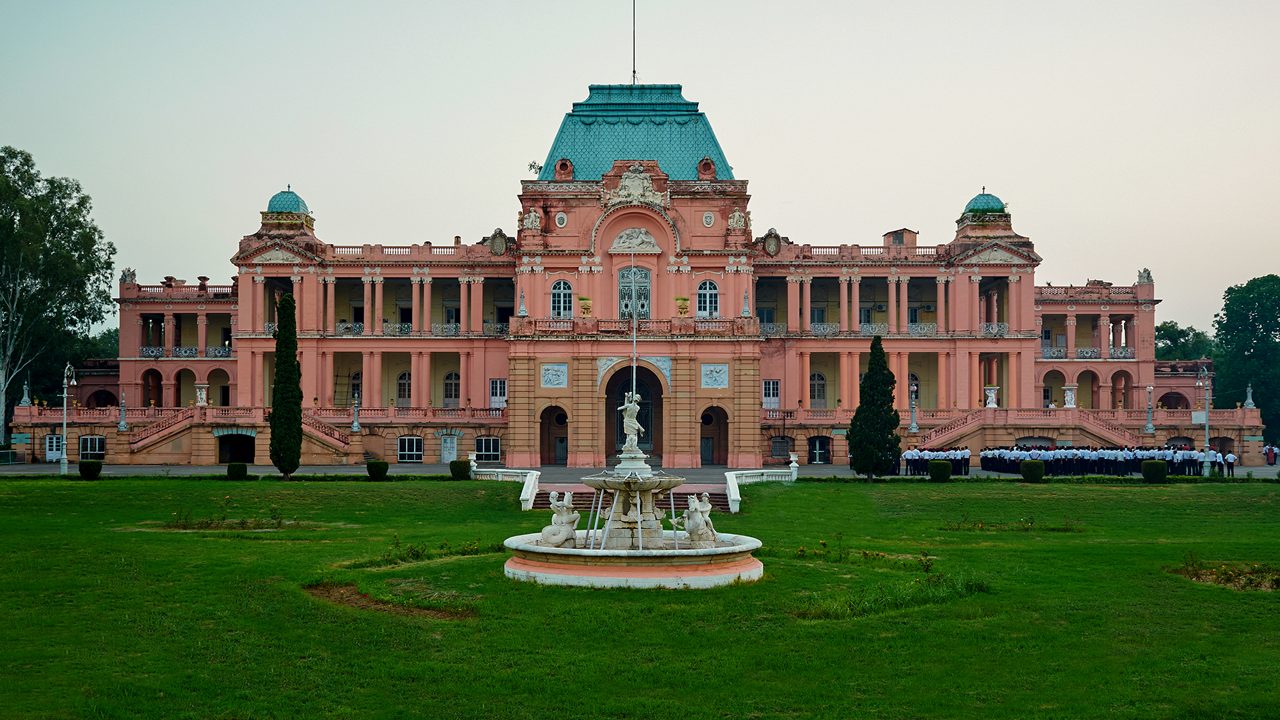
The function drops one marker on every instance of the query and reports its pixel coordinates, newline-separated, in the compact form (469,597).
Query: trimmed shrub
(89,469)
(237,471)
(1155,471)
(939,470)
(460,469)
(1032,470)
(377,470)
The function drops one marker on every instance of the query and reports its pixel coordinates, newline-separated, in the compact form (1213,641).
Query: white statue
(562,532)
(630,425)
(696,522)
(26,395)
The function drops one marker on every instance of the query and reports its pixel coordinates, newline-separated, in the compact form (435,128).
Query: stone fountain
(628,546)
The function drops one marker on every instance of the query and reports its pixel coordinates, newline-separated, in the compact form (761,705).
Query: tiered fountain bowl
(636,552)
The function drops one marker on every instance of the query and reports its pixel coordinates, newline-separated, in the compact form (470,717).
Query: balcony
(186,352)
(996,329)
(397,328)
(1122,353)
(705,327)
(495,329)
(869,329)
(824,329)
(446,329)
(349,328)
(1053,353)
(217,351)
(150,351)
(773,329)
(922,329)
(1088,353)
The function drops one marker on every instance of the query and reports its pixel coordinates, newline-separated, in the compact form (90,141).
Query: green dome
(985,203)
(287,201)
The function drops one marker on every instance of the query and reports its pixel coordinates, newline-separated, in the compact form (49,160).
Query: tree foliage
(286,392)
(1174,342)
(55,266)
(874,445)
(1248,339)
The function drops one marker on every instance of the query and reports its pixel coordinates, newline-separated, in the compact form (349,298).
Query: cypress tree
(286,392)
(874,445)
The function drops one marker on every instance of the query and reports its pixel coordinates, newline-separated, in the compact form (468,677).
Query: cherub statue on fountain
(631,427)
(696,522)
(562,532)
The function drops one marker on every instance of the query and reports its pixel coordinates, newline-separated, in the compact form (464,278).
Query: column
(855,385)
(803,400)
(326,378)
(321,292)
(855,321)
(244,298)
(974,303)
(477,305)
(1115,333)
(904,287)
(257,320)
(806,303)
(202,333)
(465,305)
(464,379)
(170,339)
(793,304)
(1071,336)
(844,369)
(373,386)
(415,361)
(900,386)
(844,307)
(1015,303)
(299,307)
(368,308)
(941,306)
(415,312)
(1131,334)
(331,304)
(893,305)
(366,378)
(976,396)
(426,306)
(377,306)
(1013,380)
(1104,336)
(944,380)
(425,382)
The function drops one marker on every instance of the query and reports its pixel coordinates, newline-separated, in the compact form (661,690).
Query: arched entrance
(101,399)
(1121,392)
(713,444)
(152,386)
(219,388)
(1173,401)
(553,436)
(1087,392)
(235,448)
(1053,393)
(650,417)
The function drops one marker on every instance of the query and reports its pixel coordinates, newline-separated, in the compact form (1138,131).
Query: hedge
(89,469)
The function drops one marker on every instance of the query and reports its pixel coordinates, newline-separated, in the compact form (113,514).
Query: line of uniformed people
(1088,460)
(916,460)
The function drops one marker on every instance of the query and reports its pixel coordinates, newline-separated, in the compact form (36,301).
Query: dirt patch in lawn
(350,596)
(1237,576)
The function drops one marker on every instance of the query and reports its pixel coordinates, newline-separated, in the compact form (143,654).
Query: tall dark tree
(1248,339)
(55,267)
(874,445)
(1174,342)
(286,392)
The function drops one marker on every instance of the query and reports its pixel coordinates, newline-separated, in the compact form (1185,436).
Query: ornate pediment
(635,186)
(276,252)
(635,240)
(996,254)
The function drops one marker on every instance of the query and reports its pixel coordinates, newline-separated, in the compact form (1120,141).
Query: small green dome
(287,201)
(985,203)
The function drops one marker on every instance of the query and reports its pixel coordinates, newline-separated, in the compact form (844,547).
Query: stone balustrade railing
(1088,353)
(1122,353)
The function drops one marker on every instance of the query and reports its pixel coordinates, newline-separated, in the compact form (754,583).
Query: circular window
(561,219)
(562,419)
(708,219)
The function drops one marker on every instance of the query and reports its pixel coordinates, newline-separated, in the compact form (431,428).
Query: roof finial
(984,189)
(288,188)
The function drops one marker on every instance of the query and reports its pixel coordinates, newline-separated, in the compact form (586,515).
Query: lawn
(108,614)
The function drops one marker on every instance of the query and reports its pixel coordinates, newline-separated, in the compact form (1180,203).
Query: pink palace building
(750,344)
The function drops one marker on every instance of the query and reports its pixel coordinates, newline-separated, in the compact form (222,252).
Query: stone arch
(1173,400)
(553,435)
(1122,391)
(713,435)
(652,389)
(636,215)
(219,387)
(101,399)
(152,382)
(1087,383)
(1053,382)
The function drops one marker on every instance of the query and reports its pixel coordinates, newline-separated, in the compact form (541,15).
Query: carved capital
(1014,278)
(259,279)
(975,279)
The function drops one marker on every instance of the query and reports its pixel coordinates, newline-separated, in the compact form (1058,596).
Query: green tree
(55,267)
(874,445)
(286,392)
(1248,339)
(1174,342)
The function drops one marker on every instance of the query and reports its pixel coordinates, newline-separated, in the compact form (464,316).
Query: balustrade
(270,328)
(1053,353)
(446,329)
(186,352)
(824,329)
(349,328)
(1088,353)
(773,329)
(150,351)
(397,328)
(495,329)
(922,329)
(874,329)
(1122,353)
(996,329)
(217,351)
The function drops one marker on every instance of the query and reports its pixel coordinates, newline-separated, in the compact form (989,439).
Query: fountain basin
(632,484)
(685,568)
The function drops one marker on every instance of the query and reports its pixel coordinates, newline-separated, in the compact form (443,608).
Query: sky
(1122,134)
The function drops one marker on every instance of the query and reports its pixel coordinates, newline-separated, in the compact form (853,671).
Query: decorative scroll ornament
(634,240)
(635,186)
(498,242)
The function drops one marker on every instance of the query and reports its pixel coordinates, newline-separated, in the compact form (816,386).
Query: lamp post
(68,381)
(1202,381)
(1150,429)
(915,390)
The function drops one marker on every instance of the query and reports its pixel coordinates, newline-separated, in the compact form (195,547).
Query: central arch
(650,418)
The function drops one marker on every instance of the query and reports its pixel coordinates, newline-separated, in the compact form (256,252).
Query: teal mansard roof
(287,201)
(985,203)
(636,122)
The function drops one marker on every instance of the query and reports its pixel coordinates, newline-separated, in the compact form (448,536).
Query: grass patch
(1235,575)
(438,605)
(932,589)
(400,554)
(1026,524)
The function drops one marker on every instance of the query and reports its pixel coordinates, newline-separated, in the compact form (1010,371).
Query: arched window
(817,390)
(355,386)
(452,386)
(561,299)
(708,300)
(404,389)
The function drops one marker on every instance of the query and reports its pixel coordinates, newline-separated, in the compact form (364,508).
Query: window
(864,315)
(780,446)
(817,315)
(817,390)
(452,388)
(819,450)
(913,315)
(497,392)
(409,449)
(772,393)
(488,449)
(633,282)
(404,390)
(93,447)
(897,238)
(708,300)
(561,299)
(355,386)
(1046,336)
(766,314)
(452,316)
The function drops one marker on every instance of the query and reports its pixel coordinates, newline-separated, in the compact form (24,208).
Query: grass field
(1054,601)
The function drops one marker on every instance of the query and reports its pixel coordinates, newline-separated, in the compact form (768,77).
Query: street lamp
(68,381)
(915,390)
(1150,429)
(1202,381)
